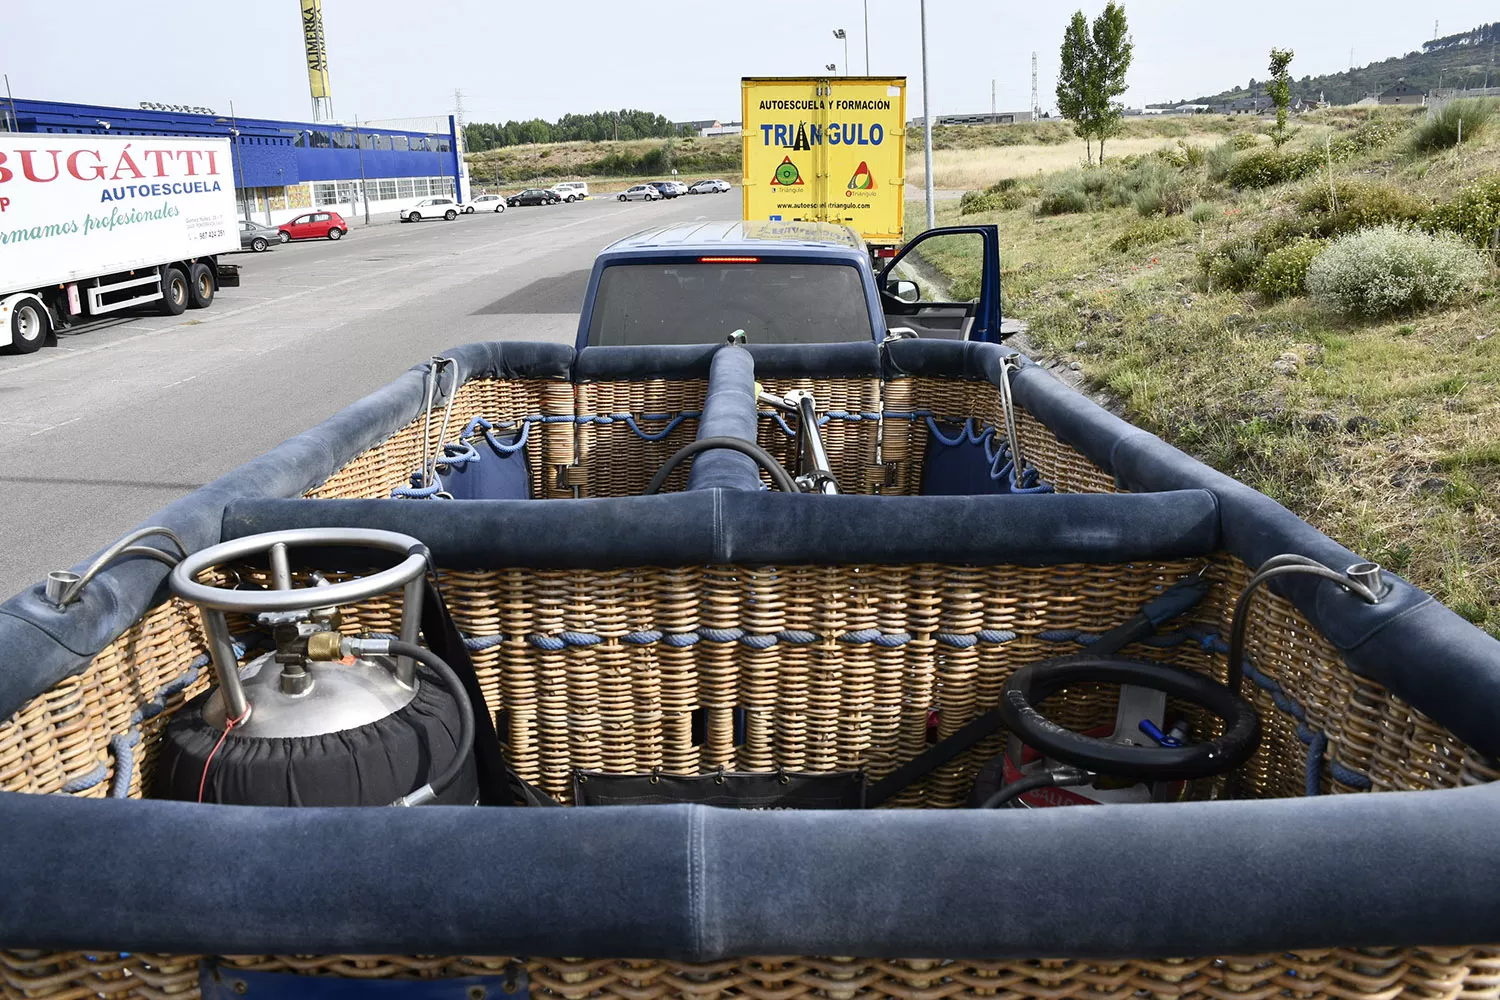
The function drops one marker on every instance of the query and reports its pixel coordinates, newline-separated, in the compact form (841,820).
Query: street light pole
(364,185)
(927,123)
(844,35)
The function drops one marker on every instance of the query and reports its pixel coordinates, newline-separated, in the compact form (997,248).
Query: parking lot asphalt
(128,414)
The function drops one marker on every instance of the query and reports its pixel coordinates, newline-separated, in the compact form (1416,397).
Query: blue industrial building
(282,168)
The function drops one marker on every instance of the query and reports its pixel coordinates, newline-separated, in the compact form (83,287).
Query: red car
(314,226)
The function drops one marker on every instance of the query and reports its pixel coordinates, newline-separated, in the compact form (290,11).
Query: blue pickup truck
(789,283)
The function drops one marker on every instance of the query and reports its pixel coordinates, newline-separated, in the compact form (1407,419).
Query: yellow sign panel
(826,150)
(317,49)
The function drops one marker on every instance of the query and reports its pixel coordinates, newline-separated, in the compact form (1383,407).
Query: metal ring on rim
(185,585)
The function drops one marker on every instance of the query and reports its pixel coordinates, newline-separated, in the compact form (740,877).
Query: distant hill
(1455,60)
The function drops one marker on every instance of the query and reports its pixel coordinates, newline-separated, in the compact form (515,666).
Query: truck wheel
(259,244)
(29,324)
(450,215)
(174,292)
(200,287)
(335,233)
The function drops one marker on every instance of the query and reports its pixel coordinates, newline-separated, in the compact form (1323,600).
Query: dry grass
(969,169)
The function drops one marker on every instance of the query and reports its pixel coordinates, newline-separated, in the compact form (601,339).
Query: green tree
(1279,90)
(1112,52)
(1072,79)
(1094,62)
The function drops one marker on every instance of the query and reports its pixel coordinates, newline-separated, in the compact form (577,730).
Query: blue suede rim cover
(699,884)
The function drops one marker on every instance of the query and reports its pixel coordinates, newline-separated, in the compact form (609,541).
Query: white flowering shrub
(1388,269)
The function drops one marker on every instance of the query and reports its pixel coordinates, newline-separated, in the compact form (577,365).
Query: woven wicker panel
(64,735)
(378,470)
(904,439)
(615,459)
(1334,974)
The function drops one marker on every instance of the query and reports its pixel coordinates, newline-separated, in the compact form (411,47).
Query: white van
(572,190)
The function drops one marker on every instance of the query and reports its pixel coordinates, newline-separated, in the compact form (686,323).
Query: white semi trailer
(93,224)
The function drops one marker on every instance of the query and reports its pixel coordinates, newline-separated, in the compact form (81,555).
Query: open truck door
(945,285)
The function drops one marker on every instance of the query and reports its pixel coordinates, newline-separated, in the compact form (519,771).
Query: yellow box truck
(827,149)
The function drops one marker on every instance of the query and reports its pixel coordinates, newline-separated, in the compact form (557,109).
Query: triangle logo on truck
(862,180)
(787,174)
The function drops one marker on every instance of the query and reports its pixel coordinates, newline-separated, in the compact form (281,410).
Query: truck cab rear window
(702,303)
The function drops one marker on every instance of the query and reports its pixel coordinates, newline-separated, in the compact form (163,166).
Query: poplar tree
(1279,90)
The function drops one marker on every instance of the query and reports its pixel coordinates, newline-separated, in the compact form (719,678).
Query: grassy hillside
(1455,64)
(1384,432)
(550,162)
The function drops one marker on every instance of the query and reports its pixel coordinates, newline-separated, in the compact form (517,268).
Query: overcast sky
(681,59)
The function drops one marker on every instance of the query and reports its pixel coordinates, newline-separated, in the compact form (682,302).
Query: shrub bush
(1361,205)
(1440,130)
(999,197)
(1376,133)
(1474,213)
(1258,168)
(1060,199)
(1243,141)
(1233,264)
(1390,269)
(1283,273)
(1220,160)
(1146,234)
(1203,213)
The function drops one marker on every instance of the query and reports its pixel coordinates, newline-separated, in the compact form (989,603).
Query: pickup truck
(790,283)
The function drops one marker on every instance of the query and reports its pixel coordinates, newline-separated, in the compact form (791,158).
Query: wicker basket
(814,700)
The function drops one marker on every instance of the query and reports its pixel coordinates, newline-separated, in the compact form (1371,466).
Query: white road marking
(56,426)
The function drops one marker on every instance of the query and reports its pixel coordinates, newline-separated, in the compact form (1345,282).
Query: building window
(403,188)
(366,141)
(348,191)
(325,194)
(321,140)
(419,143)
(343,140)
(419,187)
(388,190)
(383,142)
(398,142)
(443,145)
(442,185)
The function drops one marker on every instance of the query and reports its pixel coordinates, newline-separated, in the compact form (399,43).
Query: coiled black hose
(455,687)
(763,458)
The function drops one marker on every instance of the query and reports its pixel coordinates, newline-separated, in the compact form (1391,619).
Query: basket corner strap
(697,884)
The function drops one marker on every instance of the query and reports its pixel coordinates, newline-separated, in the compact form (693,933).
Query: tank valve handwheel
(1030,686)
(213,602)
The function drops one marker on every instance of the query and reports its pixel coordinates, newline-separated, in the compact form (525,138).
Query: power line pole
(927,123)
(364,185)
(992,97)
(867,37)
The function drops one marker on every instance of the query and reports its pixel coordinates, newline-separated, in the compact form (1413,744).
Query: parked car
(669,189)
(254,236)
(486,203)
(314,226)
(714,186)
(641,192)
(534,196)
(572,190)
(431,208)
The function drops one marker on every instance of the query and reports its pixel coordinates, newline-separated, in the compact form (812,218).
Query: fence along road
(112,424)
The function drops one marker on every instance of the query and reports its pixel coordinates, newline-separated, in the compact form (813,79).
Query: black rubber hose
(455,687)
(763,458)
(1030,783)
